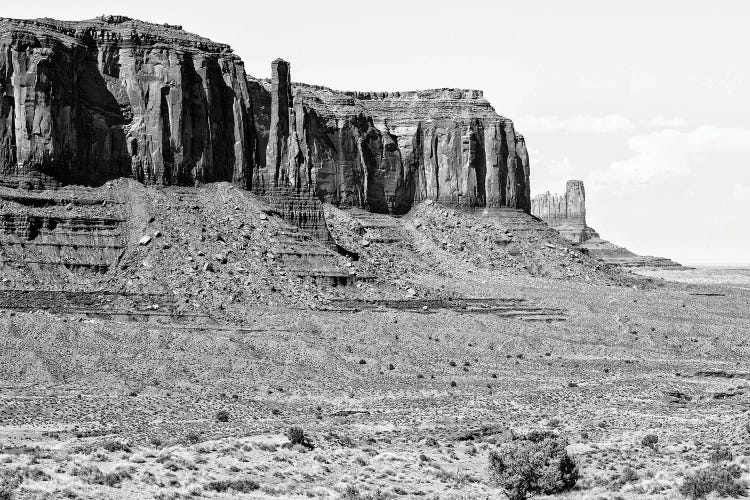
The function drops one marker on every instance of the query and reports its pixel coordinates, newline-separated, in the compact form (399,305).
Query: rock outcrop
(385,151)
(84,102)
(565,213)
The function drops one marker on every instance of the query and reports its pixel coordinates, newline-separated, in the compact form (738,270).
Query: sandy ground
(93,408)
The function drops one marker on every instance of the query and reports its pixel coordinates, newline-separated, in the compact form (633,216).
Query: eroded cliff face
(89,101)
(566,213)
(85,102)
(387,151)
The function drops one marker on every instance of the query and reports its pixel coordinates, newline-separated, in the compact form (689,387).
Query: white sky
(648,101)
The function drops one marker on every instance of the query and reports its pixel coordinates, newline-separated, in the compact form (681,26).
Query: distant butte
(566,213)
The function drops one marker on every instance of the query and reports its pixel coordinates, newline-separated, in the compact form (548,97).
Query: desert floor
(103,408)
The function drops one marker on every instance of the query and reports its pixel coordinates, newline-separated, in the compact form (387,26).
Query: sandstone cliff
(89,101)
(387,150)
(565,213)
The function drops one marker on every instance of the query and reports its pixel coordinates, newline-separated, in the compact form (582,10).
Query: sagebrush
(533,464)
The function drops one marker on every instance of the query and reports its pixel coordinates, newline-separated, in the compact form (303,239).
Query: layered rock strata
(84,102)
(385,151)
(565,213)
(614,255)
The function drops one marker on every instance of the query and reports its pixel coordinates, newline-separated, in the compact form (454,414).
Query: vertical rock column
(277,153)
(523,156)
(575,201)
(512,180)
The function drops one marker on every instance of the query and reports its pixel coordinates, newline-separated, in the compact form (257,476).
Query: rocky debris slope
(506,241)
(89,101)
(440,240)
(213,250)
(386,151)
(565,213)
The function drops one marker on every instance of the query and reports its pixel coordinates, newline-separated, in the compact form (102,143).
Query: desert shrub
(238,485)
(113,446)
(222,416)
(92,475)
(192,437)
(629,475)
(36,474)
(533,464)
(267,447)
(10,480)
(536,436)
(113,479)
(297,436)
(89,474)
(352,493)
(650,440)
(721,454)
(721,479)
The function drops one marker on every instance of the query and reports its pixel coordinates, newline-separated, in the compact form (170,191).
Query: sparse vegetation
(114,446)
(352,493)
(721,454)
(650,441)
(192,437)
(297,436)
(92,475)
(10,480)
(237,485)
(720,479)
(534,464)
(628,475)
